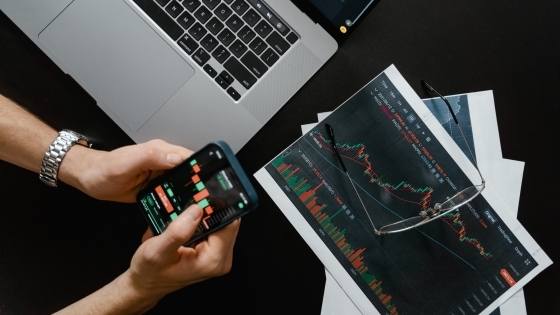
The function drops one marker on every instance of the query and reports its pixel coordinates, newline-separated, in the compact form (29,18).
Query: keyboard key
(226,37)
(201,57)
(203,14)
(263,29)
(163,2)
(271,17)
(240,6)
(186,20)
(223,12)
(234,23)
(221,54)
(188,44)
(226,76)
(191,5)
(233,93)
(209,43)
(221,82)
(269,57)
(292,38)
(174,9)
(210,71)
(228,1)
(240,73)
(211,4)
(214,26)
(198,31)
(278,43)
(156,13)
(251,17)
(253,63)
(246,34)
(237,48)
(258,45)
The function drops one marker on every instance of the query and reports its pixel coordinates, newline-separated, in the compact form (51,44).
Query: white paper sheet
(505,176)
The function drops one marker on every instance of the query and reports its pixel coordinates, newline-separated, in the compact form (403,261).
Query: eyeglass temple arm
(457,123)
(443,98)
(330,131)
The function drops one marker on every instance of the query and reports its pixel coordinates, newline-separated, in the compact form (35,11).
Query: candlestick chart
(461,261)
(403,191)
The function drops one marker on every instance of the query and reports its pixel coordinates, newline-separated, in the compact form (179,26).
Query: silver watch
(56,152)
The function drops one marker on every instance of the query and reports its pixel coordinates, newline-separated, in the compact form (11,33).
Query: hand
(162,265)
(120,174)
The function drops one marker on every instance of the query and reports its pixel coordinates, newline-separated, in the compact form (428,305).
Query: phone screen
(207,179)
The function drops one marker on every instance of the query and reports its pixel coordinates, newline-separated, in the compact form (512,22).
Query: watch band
(56,152)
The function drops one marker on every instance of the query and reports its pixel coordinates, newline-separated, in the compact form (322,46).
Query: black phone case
(239,172)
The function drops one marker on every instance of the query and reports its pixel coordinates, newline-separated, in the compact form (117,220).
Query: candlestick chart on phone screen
(457,264)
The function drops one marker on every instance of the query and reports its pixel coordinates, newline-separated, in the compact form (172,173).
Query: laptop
(189,71)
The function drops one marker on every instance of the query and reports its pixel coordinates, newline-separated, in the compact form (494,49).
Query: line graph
(453,219)
(403,191)
(360,156)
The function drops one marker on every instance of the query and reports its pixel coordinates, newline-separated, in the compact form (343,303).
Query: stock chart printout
(460,107)
(467,262)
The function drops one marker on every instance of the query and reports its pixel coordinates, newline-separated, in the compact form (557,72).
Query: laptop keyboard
(241,38)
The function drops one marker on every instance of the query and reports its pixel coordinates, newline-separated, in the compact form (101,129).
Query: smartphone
(211,178)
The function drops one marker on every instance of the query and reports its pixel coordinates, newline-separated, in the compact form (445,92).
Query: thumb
(151,158)
(179,231)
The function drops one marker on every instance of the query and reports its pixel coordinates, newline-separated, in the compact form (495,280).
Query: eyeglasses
(439,209)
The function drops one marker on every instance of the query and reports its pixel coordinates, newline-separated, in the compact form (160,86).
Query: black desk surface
(58,245)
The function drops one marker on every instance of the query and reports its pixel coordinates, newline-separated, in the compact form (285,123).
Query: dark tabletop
(58,245)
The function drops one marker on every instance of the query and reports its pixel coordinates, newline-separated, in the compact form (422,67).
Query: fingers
(154,155)
(178,232)
(172,149)
(216,253)
(157,155)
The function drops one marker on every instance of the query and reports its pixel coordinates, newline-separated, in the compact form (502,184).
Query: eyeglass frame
(424,215)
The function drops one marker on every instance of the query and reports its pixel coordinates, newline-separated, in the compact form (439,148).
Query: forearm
(23,137)
(118,297)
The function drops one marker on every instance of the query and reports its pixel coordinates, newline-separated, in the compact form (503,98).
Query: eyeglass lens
(460,198)
(403,225)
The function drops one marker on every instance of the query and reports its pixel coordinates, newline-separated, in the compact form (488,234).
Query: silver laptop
(189,71)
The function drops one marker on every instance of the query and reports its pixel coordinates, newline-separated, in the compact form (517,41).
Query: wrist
(118,297)
(144,298)
(56,153)
(75,164)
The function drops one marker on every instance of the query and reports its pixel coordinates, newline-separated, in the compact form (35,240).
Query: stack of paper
(477,115)
(404,156)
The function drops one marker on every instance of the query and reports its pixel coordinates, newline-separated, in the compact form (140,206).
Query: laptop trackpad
(118,57)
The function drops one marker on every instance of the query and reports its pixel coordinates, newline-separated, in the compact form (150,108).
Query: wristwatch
(56,152)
